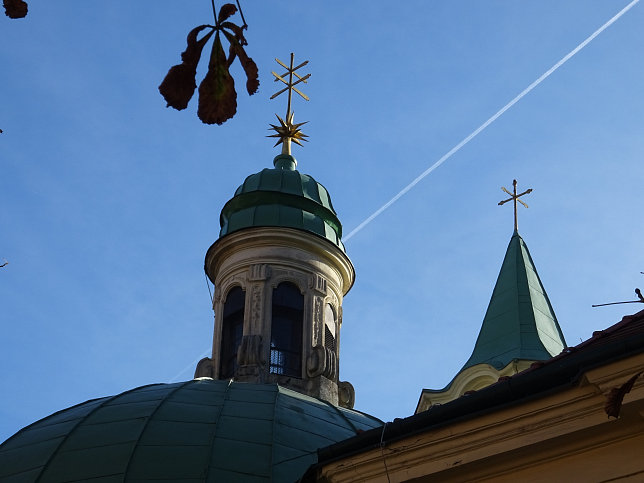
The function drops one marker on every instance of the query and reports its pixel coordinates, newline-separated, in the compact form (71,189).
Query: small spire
(515,197)
(288,131)
(520,323)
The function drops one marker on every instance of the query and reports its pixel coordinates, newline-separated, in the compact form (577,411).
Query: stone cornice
(223,250)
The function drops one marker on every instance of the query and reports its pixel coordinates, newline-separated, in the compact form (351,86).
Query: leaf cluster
(15,8)
(217,96)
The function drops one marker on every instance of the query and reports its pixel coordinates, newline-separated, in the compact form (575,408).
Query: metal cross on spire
(287,131)
(515,197)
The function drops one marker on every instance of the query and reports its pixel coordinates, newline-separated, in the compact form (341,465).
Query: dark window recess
(329,340)
(231,332)
(286,331)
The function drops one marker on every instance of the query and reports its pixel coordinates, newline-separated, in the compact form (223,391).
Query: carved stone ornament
(250,351)
(256,306)
(317,322)
(321,362)
(346,395)
(318,283)
(204,368)
(333,300)
(259,272)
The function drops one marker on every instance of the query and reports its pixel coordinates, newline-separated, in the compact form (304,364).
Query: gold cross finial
(515,197)
(287,131)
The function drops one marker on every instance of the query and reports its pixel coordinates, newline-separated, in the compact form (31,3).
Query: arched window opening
(329,328)
(231,332)
(286,331)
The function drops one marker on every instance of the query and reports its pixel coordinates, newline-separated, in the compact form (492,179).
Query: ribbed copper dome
(200,430)
(283,197)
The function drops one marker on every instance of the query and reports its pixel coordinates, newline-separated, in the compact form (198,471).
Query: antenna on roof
(639,296)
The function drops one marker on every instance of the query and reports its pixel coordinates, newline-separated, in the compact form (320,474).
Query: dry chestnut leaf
(217,95)
(15,8)
(615,397)
(179,84)
(250,68)
(226,10)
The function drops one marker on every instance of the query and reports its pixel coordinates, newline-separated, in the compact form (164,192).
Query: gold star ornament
(287,131)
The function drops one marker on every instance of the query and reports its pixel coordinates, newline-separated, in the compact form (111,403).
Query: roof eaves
(612,344)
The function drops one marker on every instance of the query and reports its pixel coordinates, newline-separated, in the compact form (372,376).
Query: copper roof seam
(545,296)
(26,428)
(80,421)
(527,264)
(342,416)
(253,198)
(214,433)
(277,395)
(147,421)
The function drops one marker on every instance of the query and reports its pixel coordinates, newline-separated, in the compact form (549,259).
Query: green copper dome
(282,197)
(195,431)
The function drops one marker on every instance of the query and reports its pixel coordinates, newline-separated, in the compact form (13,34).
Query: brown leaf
(616,395)
(15,8)
(249,66)
(237,30)
(226,11)
(217,96)
(231,55)
(179,84)
(193,50)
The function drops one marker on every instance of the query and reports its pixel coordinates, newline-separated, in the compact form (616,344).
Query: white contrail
(191,365)
(523,93)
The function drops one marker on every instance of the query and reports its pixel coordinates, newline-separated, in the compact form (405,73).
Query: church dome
(282,197)
(199,430)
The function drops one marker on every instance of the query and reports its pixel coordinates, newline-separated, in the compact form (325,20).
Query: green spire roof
(519,323)
(282,197)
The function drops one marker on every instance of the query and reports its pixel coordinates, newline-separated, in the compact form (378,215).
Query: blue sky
(109,201)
